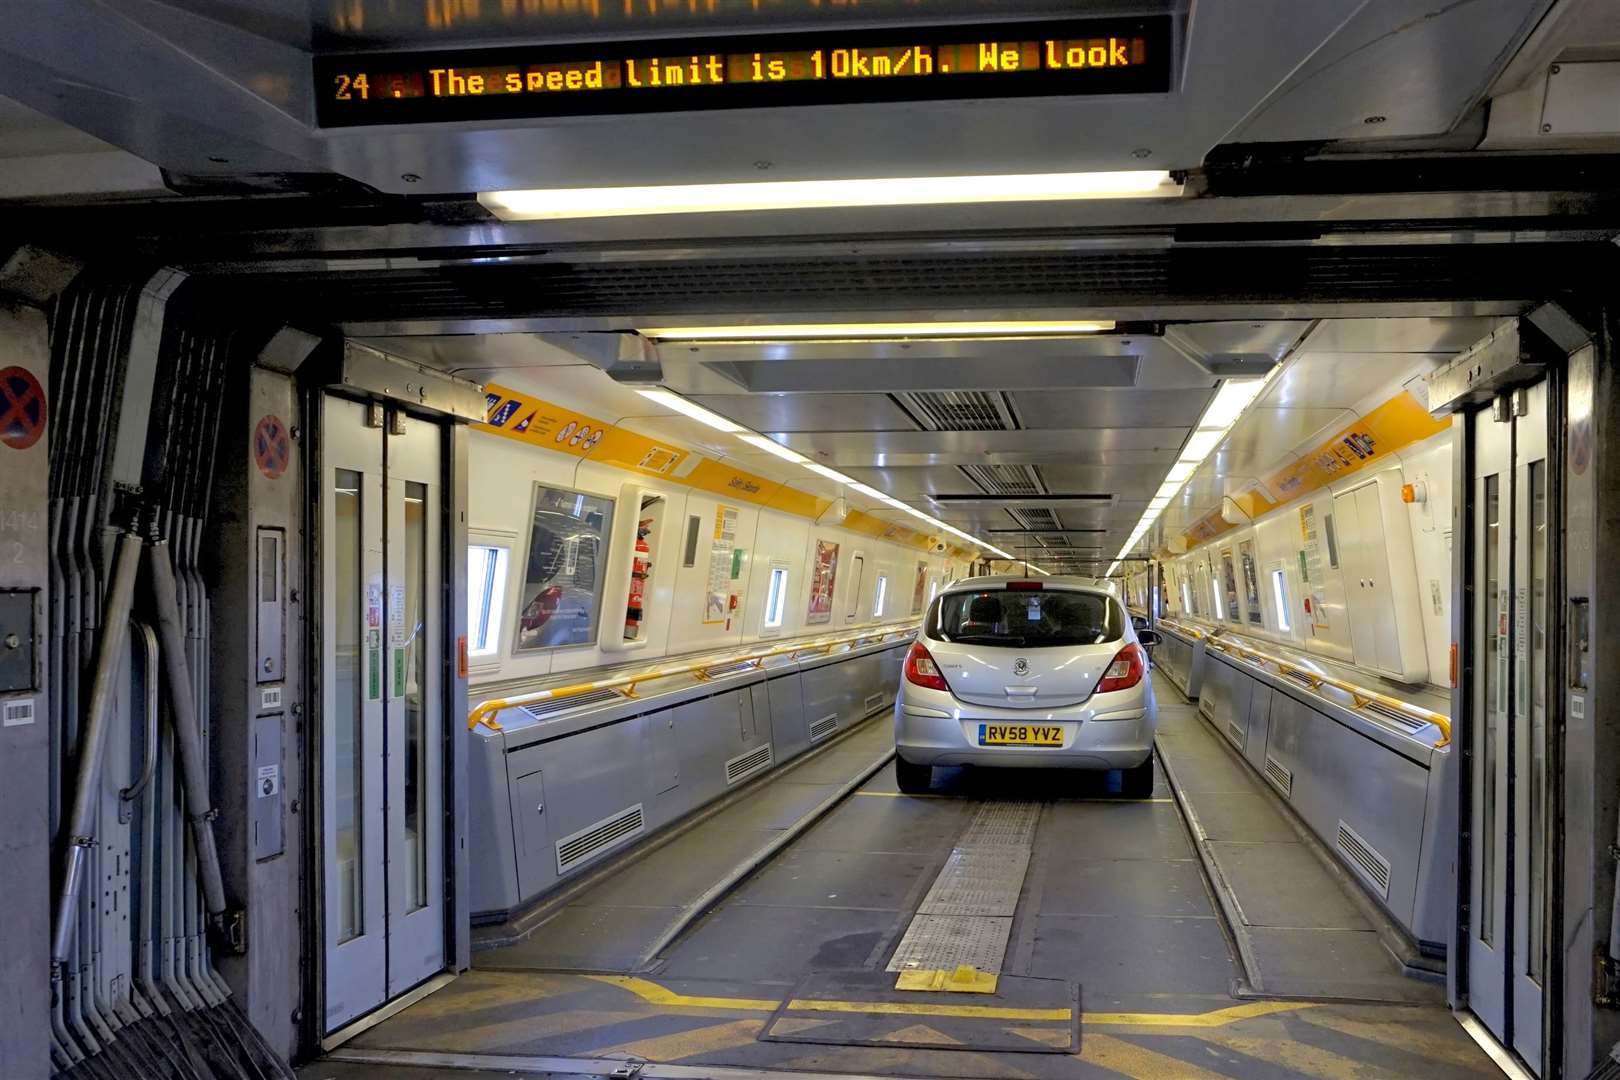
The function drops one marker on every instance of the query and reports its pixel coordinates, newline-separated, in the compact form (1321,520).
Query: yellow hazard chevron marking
(654,994)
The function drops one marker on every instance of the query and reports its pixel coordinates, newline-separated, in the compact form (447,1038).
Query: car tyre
(913,779)
(1137,783)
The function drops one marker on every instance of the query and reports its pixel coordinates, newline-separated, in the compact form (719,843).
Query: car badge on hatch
(1020,667)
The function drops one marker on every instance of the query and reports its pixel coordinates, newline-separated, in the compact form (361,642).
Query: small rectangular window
(694,526)
(1332,540)
(855,588)
(486,592)
(882,588)
(1215,595)
(776,598)
(1279,586)
(1186,598)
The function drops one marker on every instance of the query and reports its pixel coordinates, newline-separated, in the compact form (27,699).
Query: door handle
(540,808)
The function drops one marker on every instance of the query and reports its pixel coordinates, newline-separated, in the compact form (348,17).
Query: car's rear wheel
(913,779)
(1137,783)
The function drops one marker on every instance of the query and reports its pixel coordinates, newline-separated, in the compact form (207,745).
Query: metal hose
(187,735)
(81,820)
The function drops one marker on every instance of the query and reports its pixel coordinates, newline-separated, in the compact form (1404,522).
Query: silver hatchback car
(1031,673)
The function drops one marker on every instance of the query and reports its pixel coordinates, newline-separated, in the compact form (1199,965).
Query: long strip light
(676,403)
(552,204)
(1011,328)
(1230,403)
(771,446)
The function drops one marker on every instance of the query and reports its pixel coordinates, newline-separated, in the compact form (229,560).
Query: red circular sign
(271,447)
(22,408)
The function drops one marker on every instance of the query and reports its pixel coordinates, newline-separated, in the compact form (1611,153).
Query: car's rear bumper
(1115,738)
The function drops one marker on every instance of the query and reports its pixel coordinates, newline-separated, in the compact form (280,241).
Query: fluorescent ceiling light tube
(863,331)
(1169,489)
(550,204)
(773,447)
(1199,445)
(831,474)
(1233,397)
(1180,471)
(675,403)
(1159,503)
(871,492)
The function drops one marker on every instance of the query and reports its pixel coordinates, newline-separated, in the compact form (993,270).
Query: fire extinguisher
(640,570)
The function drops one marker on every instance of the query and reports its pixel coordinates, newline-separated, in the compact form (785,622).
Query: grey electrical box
(270,577)
(17,639)
(267,787)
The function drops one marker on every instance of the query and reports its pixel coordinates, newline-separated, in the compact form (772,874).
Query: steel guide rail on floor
(1360,696)
(701,671)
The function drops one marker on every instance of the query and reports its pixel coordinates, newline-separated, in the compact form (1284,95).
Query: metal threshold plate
(946,942)
(984,881)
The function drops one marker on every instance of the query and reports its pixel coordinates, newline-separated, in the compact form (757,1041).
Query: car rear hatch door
(1025,648)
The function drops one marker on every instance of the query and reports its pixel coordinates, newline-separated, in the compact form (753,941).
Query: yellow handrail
(1359,695)
(1181,628)
(625,685)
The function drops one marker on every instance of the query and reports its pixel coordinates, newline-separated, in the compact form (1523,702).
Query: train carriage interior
(809,539)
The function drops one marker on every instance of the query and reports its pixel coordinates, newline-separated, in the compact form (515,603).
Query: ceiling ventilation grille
(960,410)
(1035,519)
(1005,479)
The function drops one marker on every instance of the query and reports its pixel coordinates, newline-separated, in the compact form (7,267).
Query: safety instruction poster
(717,608)
(823,576)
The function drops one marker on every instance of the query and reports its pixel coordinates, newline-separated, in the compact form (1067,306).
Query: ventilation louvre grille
(1365,858)
(747,764)
(729,669)
(1005,479)
(544,709)
(1394,716)
(1235,733)
(1280,777)
(874,701)
(1035,519)
(1301,678)
(820,729)
(608,833)
(959,410)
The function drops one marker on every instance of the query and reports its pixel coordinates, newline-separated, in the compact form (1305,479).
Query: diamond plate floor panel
(944,942)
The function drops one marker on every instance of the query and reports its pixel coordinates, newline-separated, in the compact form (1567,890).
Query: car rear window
(1024,620)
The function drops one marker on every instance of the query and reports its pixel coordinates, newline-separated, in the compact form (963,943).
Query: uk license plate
(1020,735)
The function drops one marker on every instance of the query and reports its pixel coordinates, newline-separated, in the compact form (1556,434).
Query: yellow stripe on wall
(515,415)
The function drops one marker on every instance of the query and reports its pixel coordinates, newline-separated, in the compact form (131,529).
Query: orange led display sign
(1057,59)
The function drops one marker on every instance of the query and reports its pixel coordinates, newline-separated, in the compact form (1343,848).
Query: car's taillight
(1125,671)
(921,669)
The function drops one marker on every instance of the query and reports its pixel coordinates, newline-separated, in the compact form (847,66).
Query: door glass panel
(1538,716)
(1495,639)
(415,665)
(346,548)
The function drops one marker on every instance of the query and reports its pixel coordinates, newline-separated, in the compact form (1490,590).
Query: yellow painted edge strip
(902,1008)
(1217,1018)
(654,994)
(651,992)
